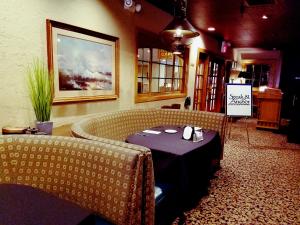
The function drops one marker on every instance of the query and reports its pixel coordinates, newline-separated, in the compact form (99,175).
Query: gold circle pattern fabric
(106,178)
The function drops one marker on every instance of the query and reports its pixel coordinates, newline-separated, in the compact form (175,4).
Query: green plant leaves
(40,86)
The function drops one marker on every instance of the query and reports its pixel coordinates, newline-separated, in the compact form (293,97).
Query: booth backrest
(206,120)
(112,180)
(118,125)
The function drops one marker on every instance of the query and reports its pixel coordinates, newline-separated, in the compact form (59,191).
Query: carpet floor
(259,183)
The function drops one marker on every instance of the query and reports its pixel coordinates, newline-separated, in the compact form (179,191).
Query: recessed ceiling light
(264,17)
(211,29)
(138,7)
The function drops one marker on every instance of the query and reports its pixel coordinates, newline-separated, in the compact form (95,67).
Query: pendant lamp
(177,47)
(179,27)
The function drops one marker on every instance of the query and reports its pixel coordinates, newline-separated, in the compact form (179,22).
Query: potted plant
(40,85)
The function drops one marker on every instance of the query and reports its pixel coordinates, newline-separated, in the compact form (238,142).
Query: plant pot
(45,127)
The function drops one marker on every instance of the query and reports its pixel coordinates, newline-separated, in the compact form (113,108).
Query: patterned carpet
(259,183)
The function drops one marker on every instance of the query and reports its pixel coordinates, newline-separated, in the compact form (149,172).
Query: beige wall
(23,37)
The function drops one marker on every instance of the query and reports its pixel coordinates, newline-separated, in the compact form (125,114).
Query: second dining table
(22,204)
(184,163)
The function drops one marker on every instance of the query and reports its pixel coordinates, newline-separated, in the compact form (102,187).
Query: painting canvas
(84,63)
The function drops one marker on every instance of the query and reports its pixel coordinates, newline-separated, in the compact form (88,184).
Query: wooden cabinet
(269,106)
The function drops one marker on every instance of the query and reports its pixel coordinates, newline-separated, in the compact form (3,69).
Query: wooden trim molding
(158,97)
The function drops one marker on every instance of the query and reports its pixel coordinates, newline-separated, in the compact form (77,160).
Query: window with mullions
(213,70)
(257,74)
(159,71)
(143,70)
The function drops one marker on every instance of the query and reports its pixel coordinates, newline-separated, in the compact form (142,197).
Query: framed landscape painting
(84,63)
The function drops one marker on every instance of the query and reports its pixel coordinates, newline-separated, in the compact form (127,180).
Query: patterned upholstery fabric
(118,125)
(108,179)
(148,176)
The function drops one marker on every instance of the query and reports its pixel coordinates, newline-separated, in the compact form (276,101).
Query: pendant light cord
(179,9)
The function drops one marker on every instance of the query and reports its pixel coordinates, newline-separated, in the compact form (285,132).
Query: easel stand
(229,118)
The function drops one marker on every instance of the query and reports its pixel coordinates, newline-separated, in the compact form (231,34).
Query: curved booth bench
(113,181)
(114,127)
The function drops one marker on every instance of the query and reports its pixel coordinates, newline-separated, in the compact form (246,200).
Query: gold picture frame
(84,63)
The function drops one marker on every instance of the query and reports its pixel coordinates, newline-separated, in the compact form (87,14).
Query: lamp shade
(187,29)
(179,28)
(178,49)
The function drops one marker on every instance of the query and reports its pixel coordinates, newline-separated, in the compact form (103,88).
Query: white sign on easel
(239,100)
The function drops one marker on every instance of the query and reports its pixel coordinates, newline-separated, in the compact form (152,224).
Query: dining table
(186,164)
(21,204)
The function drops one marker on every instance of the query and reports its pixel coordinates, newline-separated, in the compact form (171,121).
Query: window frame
(157,96)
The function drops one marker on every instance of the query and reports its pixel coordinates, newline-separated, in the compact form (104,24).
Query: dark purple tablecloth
(184,163)
(24,205)
(168,142)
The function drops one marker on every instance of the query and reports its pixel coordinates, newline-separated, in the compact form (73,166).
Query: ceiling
(239,21)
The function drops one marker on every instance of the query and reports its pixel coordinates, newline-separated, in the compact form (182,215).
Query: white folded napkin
(151,131)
